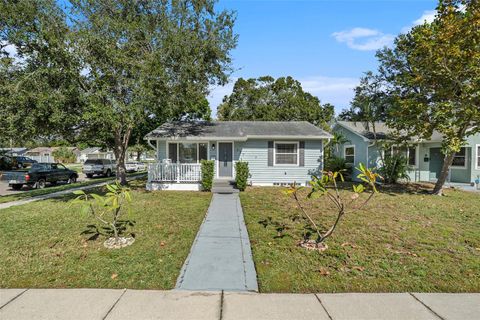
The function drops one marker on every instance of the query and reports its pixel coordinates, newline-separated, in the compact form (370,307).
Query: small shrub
(242,174)
(64,155)
(108,209)
(395,167)
(207,174)
(327,186)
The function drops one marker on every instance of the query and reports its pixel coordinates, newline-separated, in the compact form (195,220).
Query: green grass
(42,245)
(402,241)
(51,189)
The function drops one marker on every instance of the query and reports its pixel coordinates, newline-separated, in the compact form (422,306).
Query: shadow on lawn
(394,189)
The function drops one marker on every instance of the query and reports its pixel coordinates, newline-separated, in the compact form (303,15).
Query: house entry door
(225,159)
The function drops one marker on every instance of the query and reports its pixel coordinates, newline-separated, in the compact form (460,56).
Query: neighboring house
(278,153)
(85,152)
(45,154)
(95,153)
(13,151)
(424,156)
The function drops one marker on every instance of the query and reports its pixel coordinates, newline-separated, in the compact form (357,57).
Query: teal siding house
(424,156)
(278,153)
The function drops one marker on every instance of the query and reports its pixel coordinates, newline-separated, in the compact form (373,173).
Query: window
(187,152)
(478,156)
(172,152)
(202,151)
(286,153)
(460,159)
(412,156)
(349,155)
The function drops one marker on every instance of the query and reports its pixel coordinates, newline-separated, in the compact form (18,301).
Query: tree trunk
(139,155)
(121,144)
(447,162)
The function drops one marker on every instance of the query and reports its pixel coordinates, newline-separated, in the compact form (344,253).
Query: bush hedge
(242,174)
(207,174)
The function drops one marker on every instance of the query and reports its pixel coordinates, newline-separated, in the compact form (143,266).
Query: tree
(433,75)
(127,64)
(267,99)
(370,102)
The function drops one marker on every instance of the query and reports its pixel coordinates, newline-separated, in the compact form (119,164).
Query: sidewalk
(220,258)
(61,193)
(150,304)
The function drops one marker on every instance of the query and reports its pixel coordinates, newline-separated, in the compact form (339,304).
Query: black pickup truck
(38,175)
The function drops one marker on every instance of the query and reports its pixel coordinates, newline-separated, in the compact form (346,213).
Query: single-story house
(13,151)
(424,156)
(45,154)
(278,153)
(95,153)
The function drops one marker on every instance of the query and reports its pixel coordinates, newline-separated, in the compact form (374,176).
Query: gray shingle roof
(381,129)
(237,130)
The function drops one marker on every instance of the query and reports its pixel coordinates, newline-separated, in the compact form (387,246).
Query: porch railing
(174,172)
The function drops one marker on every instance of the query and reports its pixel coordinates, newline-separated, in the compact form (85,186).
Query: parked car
(135,166)
(6,163)
(23,162)
(39,174)
(102,167)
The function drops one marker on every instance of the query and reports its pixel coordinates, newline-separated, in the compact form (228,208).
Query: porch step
(224,187)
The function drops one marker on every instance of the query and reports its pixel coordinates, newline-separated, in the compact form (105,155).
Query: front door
(225,158)
(436,163)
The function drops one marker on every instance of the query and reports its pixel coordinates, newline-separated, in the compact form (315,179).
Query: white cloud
(427,16)
(364,39)
(335,90)
(10,49)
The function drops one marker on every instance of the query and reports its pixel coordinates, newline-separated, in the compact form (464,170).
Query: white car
(131,167)
(135,166)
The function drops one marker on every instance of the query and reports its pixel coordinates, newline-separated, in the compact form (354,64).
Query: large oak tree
(269,99)
(433,76)
(118,65)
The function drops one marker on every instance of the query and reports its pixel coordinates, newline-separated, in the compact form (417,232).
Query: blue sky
(326,45)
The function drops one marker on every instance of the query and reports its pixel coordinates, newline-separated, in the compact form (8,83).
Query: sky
(327,45)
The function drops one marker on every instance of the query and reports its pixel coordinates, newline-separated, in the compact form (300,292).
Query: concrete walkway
(220,258)
(61,193)
(18,304)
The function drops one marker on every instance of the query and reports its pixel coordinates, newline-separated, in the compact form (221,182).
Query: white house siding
(255,152)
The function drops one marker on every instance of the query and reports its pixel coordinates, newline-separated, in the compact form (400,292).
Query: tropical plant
(207,167)
(334,164)
(108,209)
(327,186)
(394,168)
(242,174)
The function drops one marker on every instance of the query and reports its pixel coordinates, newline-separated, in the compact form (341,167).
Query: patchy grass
(42,245)
(51,189)
(404,240)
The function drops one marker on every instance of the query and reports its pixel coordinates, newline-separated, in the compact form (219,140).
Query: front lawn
(402,241)
(42,245)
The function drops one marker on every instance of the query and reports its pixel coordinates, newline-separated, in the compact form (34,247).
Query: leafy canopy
(269,99)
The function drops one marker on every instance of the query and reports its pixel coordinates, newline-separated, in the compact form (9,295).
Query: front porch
(174,176)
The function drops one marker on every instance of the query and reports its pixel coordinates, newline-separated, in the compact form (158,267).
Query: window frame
(275,164)
(345,153)
(465,163)
(197,143)
(416,155)
(477,156)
